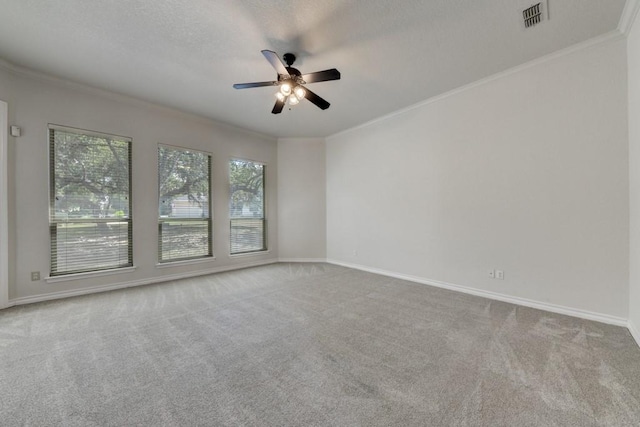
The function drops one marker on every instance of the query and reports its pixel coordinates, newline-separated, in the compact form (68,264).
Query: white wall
(4,211)
(633,57)
(527,173)
(35,102)
(10,212)
(301,199)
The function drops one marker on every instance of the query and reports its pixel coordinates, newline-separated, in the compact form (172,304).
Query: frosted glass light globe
(300,92)
(285,89)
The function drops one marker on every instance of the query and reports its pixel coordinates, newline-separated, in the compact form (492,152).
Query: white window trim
(75,276)
(249,254)
(4,211)
(185,262)
(89,274)
(265,208)
(208,258)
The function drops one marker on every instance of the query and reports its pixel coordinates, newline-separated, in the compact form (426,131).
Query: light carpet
(307,345)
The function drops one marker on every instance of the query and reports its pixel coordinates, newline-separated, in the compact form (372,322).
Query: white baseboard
(635,332)
(302,260)
(133,283)
(554,308)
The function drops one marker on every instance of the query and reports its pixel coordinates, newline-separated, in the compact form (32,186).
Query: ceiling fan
(292,82)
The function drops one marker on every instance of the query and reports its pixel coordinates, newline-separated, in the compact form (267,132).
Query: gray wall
(526,172)
(529,172)
(34,102)
(301,199)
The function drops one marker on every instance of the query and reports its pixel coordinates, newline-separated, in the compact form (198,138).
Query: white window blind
(246,206)
(184,225)
(90,201)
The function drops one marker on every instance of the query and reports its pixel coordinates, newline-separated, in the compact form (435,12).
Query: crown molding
(611,36)
(121,97)
(629,15)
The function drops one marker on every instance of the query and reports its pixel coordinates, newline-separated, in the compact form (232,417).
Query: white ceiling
(188,53)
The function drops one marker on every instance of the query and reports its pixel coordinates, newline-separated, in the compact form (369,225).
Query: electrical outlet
(35,275)
(492,274)
(500,274)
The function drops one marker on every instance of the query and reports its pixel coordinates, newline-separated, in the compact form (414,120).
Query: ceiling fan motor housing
(289,58)
(291,82)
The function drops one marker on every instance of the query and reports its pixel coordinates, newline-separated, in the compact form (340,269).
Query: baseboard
(635,332)
(554,308)
(134,283)
(324,260)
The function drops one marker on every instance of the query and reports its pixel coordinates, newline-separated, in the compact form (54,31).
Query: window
(90,201)
(184,224)
(246,207)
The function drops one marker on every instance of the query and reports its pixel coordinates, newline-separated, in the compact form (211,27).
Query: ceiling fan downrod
(289,59)
(291,82)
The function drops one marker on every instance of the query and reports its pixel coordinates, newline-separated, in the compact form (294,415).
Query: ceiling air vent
(534,14)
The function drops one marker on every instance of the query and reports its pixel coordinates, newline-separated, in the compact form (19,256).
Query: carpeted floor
(305,345)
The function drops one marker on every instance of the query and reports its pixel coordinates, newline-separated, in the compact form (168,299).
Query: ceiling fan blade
(256,84)
(315,99)
(277,109)
(321,76)
(275,62)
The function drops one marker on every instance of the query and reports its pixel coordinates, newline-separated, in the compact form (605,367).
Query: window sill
(89,274)
(185,262)
(248,254)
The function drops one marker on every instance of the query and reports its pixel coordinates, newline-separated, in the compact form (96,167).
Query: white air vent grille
(532,15)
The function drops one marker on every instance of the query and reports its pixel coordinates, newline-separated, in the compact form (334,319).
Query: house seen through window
(246,206)
(184,224)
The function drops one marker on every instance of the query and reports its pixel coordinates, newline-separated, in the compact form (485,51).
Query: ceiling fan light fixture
(299,92)
(291,82)
(285,89)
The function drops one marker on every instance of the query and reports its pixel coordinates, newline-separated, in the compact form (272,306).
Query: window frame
(265,234)
(54,273)
(210,250)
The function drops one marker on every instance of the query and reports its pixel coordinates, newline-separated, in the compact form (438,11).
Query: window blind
(184,224)
(90,201)
(246,207)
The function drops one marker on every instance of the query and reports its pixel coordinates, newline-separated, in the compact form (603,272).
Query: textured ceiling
(188,53)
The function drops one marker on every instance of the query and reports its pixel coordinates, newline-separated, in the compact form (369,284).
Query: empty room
(320,213)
